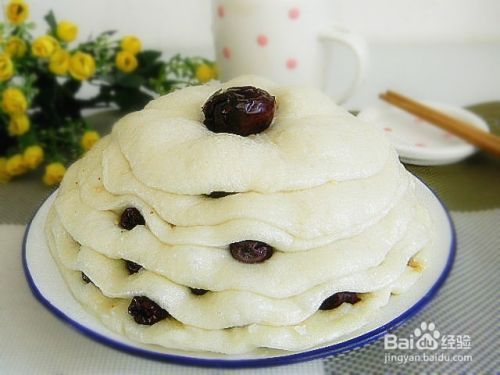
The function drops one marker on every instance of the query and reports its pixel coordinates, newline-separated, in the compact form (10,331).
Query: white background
(447,50)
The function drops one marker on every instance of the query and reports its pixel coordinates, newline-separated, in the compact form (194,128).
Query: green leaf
(148,57)
(133,81)
(51,21)
(7,143)
(72,85)
(150,71)
(131,100)
(108,33)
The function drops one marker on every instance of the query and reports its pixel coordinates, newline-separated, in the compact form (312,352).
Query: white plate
(419,142)
(49,288)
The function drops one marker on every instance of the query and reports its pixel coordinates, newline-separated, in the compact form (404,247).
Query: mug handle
(358,46)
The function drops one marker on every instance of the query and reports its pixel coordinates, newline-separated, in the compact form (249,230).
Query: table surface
(465,306)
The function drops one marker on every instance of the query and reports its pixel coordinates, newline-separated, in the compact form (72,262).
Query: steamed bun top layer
(311,141)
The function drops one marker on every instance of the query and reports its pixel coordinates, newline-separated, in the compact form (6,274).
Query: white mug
(282,40)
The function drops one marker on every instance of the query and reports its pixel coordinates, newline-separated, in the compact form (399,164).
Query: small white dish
(419,142)
(50,289)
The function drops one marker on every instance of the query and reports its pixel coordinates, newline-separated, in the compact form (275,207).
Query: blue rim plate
(444,245)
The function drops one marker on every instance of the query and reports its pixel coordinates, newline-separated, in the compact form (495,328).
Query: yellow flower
(17,11)
(15,165)
(205,73)
(54,173)
(126,61)
(81,66)
(16,47)
(89,138)
(13,101)
(59,62)
(44,46)
(6,67)
(131,44)
(4,176)
(33,156)
(67,31)
(19,124)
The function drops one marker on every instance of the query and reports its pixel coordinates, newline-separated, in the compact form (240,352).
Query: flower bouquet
(41,78)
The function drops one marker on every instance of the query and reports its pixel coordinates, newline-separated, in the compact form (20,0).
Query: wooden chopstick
(480,138)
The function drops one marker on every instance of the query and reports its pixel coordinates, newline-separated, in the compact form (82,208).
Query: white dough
(324,189)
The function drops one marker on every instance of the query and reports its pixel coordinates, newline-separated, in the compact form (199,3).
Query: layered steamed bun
(232,217)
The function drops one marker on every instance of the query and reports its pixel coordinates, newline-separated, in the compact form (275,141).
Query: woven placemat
(473,184)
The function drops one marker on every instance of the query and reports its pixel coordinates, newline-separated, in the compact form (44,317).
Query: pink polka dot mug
(283,40)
